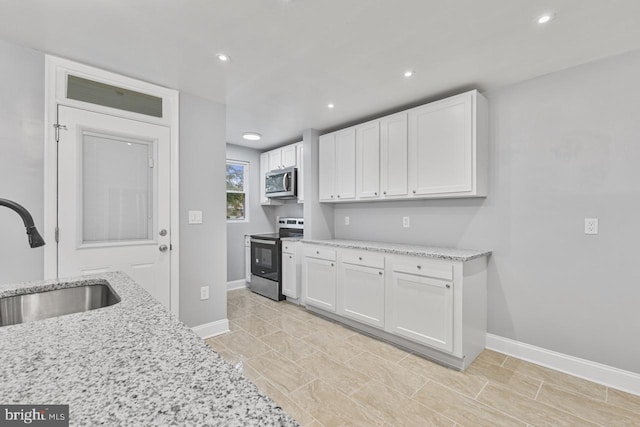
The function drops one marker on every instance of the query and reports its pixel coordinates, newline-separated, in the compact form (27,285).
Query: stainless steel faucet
(35,240)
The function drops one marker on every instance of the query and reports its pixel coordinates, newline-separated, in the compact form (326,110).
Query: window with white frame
(237,191)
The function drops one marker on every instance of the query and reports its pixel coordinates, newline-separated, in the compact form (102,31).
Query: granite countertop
(452,254)
(132,363)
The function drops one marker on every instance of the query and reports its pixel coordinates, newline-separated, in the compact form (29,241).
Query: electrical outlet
(195,217)
(346,220)
(591,226)
(405,221)
(204,293)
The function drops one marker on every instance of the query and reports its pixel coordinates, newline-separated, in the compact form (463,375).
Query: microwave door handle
(285,181)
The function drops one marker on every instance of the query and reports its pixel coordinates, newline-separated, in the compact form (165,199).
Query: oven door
(265,259)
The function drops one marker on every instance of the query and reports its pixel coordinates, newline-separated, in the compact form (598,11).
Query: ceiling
(290,58)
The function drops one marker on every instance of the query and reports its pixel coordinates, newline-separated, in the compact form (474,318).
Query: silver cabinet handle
(384,192)
(419,267)
(360,258)
(380,273)
(331,264)
(414,191)
(317,252)
(163,248)
(338,196)
(163,232)
(375,194)
(332,196)
(448,286)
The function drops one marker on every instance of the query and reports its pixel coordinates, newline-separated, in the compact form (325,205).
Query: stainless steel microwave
(281,183)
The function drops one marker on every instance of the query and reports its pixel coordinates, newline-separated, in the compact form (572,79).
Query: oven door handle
(264,242)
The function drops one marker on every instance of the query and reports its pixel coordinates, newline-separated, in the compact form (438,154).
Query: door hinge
(57,127)
(57,234)
(170,247)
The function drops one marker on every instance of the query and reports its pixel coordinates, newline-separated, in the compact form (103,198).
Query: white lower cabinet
(247,258)
(435,307)
(362,293)
(290,270)
(320,278)
(422,309)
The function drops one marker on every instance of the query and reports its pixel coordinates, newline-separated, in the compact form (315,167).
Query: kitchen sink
(43,305)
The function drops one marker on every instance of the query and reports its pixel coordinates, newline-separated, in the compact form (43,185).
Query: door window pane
(117,185)
(112,96)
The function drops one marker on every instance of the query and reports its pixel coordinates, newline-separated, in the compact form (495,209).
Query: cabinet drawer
(422,267)
(363,258)
(320,252)
(289,247)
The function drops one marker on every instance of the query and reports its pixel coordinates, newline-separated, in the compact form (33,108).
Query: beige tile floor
(323,374)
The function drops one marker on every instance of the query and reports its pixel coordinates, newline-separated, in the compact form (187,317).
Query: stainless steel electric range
(266,257)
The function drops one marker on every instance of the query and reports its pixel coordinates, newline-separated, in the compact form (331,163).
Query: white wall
(21,159)
(203,254)
(262,219)
(202,151)
(564,147)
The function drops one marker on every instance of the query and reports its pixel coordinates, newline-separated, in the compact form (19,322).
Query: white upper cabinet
(275,159)
(368,160)
(327,173)
(393,155)
(283,157)
(433,151)
(288,156)
(443,149)
(346,164)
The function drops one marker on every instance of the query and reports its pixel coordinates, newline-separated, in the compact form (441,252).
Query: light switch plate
(195,217)
(204,292)
(346,220)
(405,221)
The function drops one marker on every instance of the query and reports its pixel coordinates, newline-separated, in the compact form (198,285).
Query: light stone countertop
(451,254)
(132,363)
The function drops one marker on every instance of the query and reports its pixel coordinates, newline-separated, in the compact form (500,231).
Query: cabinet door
(440,146)
(275,159)
(320,280)
(393,155)
(362,294)
(368,160)
(422,310)
(327,167)
(264,168)
(247,264)
(299,162)
(346,164)
(288,155)
(289,275)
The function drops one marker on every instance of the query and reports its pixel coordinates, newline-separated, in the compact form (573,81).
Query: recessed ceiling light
(330,105)
(251,136)
(543,19)
(408,73)
(222,57)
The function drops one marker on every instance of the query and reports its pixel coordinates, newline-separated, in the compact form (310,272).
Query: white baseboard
(212,329)
(592,371)
(236,284)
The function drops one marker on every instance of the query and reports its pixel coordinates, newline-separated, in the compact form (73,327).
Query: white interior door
(114,199)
